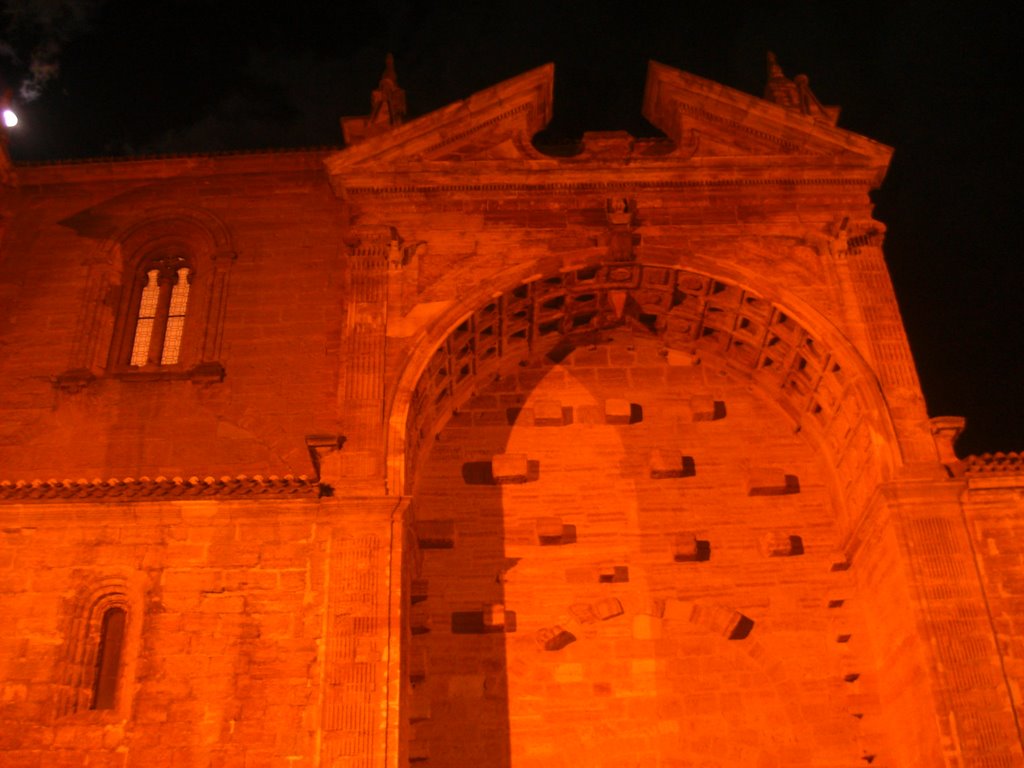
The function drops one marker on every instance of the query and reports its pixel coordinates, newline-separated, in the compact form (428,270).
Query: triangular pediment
(494,124)
(716,135)
(706,119)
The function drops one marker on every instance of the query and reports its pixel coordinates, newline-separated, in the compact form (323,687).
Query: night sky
(935,80)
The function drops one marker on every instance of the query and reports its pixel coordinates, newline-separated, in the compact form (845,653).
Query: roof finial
(387,102)
(795,94)
(780,88)
(387,108)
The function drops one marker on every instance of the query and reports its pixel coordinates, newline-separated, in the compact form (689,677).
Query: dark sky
(935,80)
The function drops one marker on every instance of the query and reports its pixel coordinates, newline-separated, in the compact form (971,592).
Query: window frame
(115,275)
(166,258)
(83,664)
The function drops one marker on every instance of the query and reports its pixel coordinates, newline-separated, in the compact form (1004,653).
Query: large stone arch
(608,570)
(788,350)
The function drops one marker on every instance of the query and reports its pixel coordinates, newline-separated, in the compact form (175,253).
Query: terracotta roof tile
(995,462)
(158,488)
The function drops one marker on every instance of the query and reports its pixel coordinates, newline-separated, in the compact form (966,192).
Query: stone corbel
(325,454)
(207,373)
(831,242)
(74,380)
(400,252)
(946,430)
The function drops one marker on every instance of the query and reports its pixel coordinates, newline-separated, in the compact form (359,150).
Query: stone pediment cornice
(721,121)
(717,137)
(560,177)
(499,121)
(159,488)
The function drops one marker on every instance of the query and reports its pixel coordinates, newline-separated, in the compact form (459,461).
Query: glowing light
(10,119)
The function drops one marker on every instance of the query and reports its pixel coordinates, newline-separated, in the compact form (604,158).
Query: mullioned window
(154,303)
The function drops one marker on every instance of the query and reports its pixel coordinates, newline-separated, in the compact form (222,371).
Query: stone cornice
(120,169)
(679,103)
(520,106)
(159,488)
(431,183)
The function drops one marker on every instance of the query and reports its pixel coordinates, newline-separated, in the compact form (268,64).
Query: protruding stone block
(608,608)
(740,626)
(583,613)
(419,619)
(688,548)
(549,528)
(656,607)
(419,751)
(418,591)
(509,468)
(668,464)
(768,481)
(551,531)
(730,623)
(684,547)
(548,413)
(419,707)
(417,666)
(613,574)
(435,534)
(494,616)
(706,409)
(617,411)
(554,638)
(781,545)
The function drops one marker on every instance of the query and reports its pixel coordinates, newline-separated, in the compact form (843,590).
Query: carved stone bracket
(400,252)
(323,450)
(74,380)
(946,430)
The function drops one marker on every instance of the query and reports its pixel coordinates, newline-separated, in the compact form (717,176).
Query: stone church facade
(440,450)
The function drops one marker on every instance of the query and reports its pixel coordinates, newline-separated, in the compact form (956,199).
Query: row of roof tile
(159,488)
(995,462)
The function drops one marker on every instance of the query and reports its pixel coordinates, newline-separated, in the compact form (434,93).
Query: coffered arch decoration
(184,256)
(788,351)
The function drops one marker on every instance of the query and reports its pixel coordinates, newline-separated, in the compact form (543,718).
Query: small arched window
(108,659)
(161,310)
(100,655)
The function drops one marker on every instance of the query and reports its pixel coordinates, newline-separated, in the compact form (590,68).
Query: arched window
(154,303)
(162,309)
(100,654)
(108,659)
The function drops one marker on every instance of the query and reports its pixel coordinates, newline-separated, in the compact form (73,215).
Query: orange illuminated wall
(461,454)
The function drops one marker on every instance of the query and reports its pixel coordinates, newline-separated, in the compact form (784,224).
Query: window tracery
(162,309)
(154,303)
